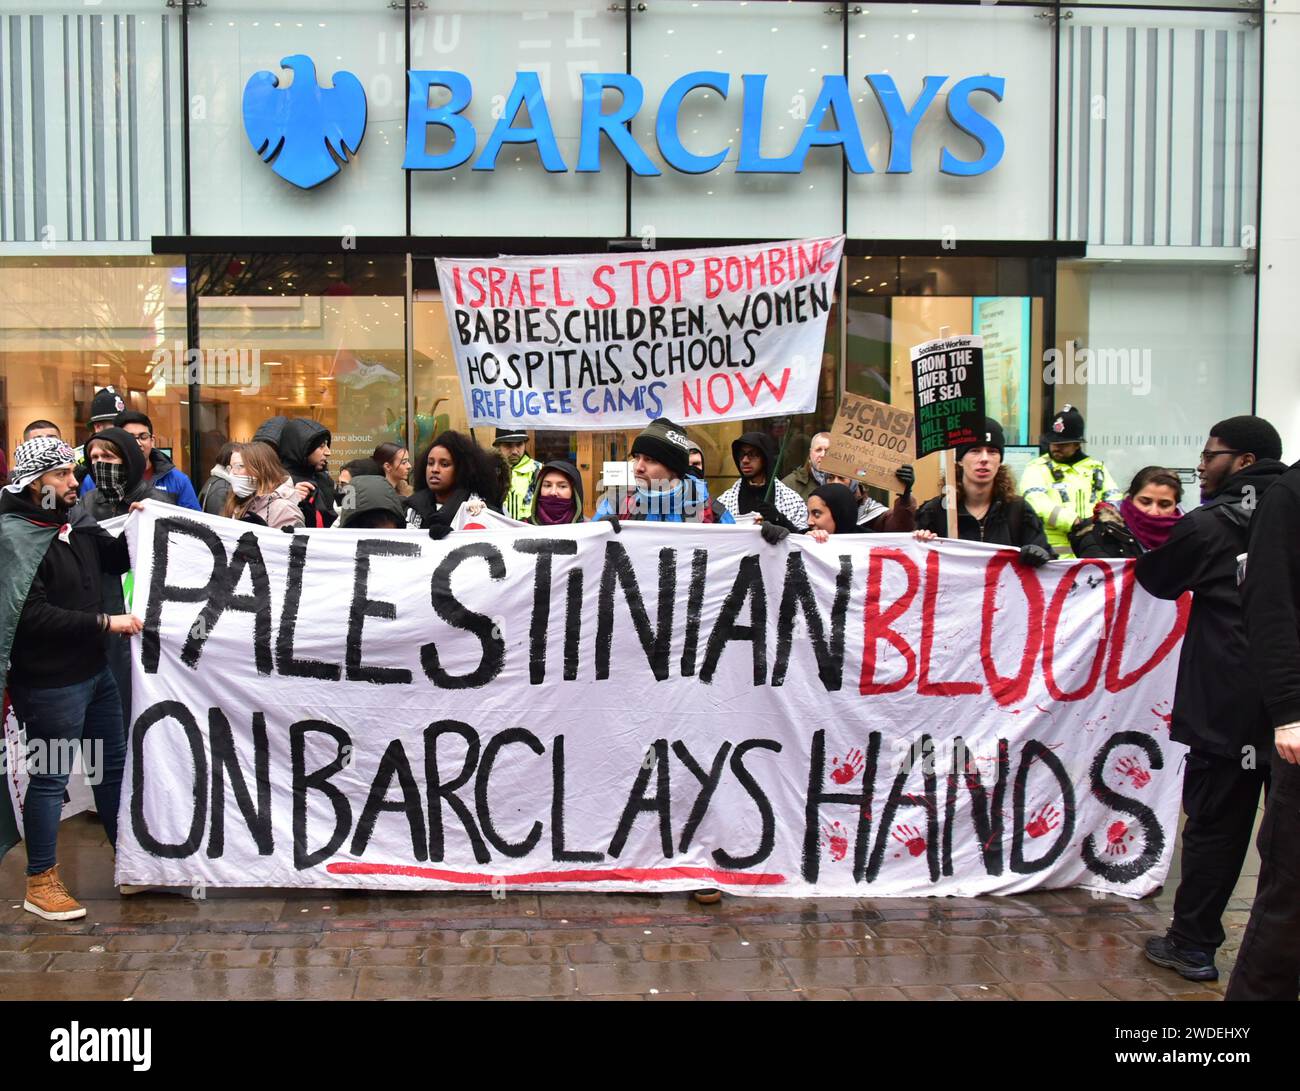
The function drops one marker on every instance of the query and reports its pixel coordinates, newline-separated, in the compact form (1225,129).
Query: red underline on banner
(633,875)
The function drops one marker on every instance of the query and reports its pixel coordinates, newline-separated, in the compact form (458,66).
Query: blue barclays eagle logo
(304,131)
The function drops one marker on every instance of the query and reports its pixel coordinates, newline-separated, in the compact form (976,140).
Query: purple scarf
(1151,530)
(554,509)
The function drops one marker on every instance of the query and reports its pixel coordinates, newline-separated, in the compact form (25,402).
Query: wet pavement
(340,945)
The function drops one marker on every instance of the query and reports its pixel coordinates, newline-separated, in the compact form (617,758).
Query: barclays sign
(306,134)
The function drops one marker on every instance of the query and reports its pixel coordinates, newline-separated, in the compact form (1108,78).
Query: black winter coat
(58,641)
(1002,524)
(1271,599)
(1217,705)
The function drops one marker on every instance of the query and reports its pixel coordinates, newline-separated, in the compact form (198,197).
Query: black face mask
(110,479)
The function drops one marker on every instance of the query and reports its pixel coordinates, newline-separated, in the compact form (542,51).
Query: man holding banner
(758,490)
(666,491)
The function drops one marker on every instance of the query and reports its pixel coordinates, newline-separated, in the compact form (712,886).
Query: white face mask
(243,485)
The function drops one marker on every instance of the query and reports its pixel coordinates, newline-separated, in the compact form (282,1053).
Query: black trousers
(1268,964)
(1220,799)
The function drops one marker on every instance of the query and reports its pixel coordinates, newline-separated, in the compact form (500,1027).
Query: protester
(809,475)
(666,491)
(375,505)
(270,431)
(452,469)
(988,509)
(755,456)
(512,445)
(41,428)
(358,467)
(159,471)
(261,490)
(304,451)
(51,627)
(1144,519)
(1217,707)
(559,495)
(394,462)
(872,514)
(832,509)
(1268,961)
(695,458)
(212,497)
(117,465)
(1064,485)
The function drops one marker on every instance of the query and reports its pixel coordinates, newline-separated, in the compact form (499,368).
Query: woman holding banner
(832,509)
(988,507)
(449,471)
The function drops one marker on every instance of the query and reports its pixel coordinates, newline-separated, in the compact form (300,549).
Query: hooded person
(832,509)
(1218,709)
(371,503)
(757,490)
(159,470)
(1065,485)
(52,660)
(559,495)
(304,451)
(117,464)
(270,431)
(117,467)
(666,491)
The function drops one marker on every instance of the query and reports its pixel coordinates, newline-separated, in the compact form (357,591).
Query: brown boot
(47,897)
(708,896)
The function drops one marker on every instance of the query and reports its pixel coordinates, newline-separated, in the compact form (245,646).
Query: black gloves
(1034,555)
(612,520)
(772,515)
(907,476)
(772,533)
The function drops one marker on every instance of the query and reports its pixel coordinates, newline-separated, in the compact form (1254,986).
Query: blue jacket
(166,477)
(687,503)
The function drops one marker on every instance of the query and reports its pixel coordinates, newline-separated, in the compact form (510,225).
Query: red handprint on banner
(1044,821)
(1116,832)
(835,840)
(849,769)
(1163,711)
(910,838)
(1134,770)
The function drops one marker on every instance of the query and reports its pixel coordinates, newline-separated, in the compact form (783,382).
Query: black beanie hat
(993,437)
(842,504)
(105,405)
(1249,434)
(1067,427)
(665,442)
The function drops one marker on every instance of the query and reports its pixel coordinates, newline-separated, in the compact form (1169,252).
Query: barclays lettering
(306,132)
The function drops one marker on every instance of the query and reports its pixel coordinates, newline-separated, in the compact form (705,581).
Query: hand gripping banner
(665,708)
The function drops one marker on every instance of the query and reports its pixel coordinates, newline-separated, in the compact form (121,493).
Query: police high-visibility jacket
(1063,492)
(522,497)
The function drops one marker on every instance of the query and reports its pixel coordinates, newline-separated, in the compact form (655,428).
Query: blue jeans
(55,720)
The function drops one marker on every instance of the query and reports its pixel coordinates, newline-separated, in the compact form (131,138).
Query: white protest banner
(662,708)
(600,341)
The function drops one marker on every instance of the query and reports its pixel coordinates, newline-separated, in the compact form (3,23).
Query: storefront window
(301,336)
(896,303)
(71,326)
(1152,354)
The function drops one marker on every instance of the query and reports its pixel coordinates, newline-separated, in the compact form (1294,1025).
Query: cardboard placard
(870,440)
(948,390)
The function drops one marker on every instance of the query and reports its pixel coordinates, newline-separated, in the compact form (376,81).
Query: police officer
(1064,485)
